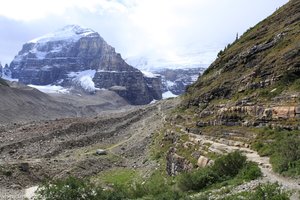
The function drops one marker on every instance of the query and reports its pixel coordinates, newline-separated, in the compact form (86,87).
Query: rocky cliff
(255,80)
(177,80)
(59,57)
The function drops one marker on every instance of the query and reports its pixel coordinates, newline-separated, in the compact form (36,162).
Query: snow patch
(84,79)
(70,33)
(50,89)
(168,94)
(149,74)
(194,78)
(153,101)
(170,84)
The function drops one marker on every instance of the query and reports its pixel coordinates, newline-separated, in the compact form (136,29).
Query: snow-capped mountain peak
(69,32)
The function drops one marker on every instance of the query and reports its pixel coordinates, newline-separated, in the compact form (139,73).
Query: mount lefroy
(79,57)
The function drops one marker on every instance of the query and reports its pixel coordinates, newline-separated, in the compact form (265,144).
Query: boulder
(101,152)
(202,161)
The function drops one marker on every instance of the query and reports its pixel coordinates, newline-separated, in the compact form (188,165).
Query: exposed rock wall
(51,58)
(176,163)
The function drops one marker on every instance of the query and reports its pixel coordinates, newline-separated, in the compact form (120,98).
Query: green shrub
(229,165)
(287,156)
(225,168)
(250,172)
(76,189)
(283,147)
(198,180)
(73,188)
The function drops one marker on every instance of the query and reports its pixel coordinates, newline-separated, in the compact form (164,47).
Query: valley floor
(36,151)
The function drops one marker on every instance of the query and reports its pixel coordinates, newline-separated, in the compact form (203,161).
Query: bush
(76,189)
(226,167)
(198,180)
(229,165)
(287,156)
(250,172)
(73,188)
(283,147)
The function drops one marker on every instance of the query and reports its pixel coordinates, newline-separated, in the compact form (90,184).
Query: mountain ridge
(261,70)
(51,58)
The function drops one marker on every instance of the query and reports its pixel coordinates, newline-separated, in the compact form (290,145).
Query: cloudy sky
(177,31)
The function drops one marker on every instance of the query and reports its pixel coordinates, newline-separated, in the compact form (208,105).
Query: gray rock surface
(176,80)
(51,59)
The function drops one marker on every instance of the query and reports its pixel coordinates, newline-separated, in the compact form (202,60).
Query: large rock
(202,161)
(56,58)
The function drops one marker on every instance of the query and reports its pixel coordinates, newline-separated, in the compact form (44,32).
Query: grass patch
(118,176)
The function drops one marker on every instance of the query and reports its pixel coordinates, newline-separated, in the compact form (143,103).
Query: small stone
(101,152)
(24,167)
(16,187)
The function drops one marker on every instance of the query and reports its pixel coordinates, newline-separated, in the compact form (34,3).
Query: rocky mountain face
(255,80)
(177,80)
(75,56)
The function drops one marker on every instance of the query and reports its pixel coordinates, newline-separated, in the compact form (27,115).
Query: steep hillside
(248,100)
(23,104)
(256,79)
(19,103)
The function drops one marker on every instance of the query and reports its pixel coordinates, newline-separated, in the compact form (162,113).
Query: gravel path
(263,163)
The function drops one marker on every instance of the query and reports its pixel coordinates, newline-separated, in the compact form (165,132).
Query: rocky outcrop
(261,112)
(176,163)
(155,86)
(129,84)
(177,80)
(263,63)
(255,80)
(56,57)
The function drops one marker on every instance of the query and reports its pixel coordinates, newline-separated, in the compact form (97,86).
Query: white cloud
(36,9)
(173,30)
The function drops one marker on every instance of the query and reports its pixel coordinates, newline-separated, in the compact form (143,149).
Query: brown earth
(35,151)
